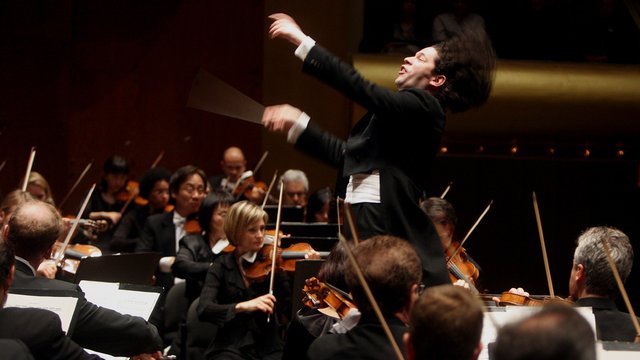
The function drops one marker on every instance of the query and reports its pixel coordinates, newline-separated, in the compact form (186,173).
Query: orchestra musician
(39,330)
(198,249)
(555,332)
(296,188)
(237,305)
(236,179)
(446,323)
(385,163)
(309,323)
(161,232)
(32,230)
(592,283)
(318,206)
(394,274)
(106,203)
(39,188)
(444,218)
(154,190)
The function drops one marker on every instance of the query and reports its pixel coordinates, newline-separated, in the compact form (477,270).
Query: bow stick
(74,225)
(266,196)
(444,193)
(275,243)
(84,172)
(470,231)
(29,166)
(544,249)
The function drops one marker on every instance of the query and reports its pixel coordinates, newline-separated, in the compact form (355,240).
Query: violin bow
(259,164)
(2,165)
(338,213)
(266,196)
(446,190)
(352,227)
(275,243)
(470,231)
(74,225)
(544,248)
(616,275)
(84,172)
(157,160)
(372,300)
(29,166)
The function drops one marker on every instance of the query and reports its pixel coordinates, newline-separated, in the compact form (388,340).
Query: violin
(285,260)
(73,254)
(246,186)
(510,298)
(128,192)
(320,295)
(460,267)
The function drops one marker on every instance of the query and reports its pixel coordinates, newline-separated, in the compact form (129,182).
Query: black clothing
(245,335)
(399,137)
(611,324)
(367,340)
(307,325)
(96,328)
(14,349)
(159,235)
(192,263)
(129,230)
(41,331)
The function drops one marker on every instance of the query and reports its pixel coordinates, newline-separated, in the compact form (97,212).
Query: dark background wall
(82,80)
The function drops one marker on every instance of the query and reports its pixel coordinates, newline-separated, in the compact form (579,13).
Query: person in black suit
(32,231)
(40,331)
(384,165)
(393,272)
(592,283)
(238,305)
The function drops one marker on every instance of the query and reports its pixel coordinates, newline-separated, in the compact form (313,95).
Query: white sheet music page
(109,295)
(60,305)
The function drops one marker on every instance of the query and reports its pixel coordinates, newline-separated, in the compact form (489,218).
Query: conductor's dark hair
(468,62)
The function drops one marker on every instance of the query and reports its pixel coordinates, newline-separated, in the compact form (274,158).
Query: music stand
(137,268)
(316,242)
(287,213)
(309,229)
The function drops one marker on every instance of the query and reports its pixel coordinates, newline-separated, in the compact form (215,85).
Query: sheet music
(111,296)
(62,306)
(513,314)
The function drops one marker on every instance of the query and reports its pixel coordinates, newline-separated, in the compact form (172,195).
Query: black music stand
(287,213)
(137,268)
(309,229)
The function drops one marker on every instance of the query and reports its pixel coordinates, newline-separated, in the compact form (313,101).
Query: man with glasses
(162,232)
(296,188)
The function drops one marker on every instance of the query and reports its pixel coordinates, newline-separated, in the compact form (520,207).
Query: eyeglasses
(294,194)
(421,288)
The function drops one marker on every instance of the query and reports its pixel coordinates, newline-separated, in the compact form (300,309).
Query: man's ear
(5,231)
(437,81)
(580,273)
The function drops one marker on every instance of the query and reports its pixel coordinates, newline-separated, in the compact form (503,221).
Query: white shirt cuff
(305,46)
(298,128)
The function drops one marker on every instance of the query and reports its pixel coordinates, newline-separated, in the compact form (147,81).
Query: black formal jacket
(192,263)
(611,324)
(159,235)
(96,328)
(14,349)
(127,233)
(399,136)
(41,331)
(367,340)
(246,334)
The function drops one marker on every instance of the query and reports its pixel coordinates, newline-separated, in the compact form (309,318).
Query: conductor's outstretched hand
(284,27)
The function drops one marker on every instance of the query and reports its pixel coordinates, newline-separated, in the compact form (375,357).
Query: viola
(285,260)
(460,267)
(320,295)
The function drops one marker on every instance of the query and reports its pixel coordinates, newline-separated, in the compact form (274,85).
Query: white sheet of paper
(109,295)
(513,314)
(60,305)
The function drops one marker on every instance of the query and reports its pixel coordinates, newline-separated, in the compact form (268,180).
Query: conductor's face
(417,70)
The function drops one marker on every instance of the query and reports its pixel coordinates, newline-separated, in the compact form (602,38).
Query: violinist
(233,165)
(319,206)
(592,283)
(161,232)
(296,188)
(32,231)
(444,218)
(309,323)
(239,306)
(39,188)
(200,247)
(446,323)
(154,190)
(394,273)
(106,203)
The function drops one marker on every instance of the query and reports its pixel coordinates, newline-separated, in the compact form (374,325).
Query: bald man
(233,165)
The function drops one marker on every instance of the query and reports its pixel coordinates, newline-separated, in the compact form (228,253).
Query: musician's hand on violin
(256,195)
(286,28)
(166,263)
(280,118)
(47,269)
(109,216)
(264,303)
(517,291)
(312,255)
(461,283)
